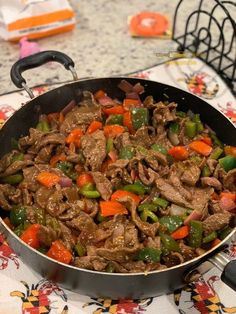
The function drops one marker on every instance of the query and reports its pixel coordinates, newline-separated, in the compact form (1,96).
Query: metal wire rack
(209,34)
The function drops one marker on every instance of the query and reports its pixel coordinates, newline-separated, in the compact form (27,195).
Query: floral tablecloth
(24,291)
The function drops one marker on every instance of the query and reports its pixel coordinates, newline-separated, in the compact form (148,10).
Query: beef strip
(144,136)
(34,137)
(16,167)
(191,173)
(6,160)
(80,116)
(216,222)
(9,194)
(211,163)
(46,236)
(54,138)
(214,207)
(44,155)
(122,140)
(211,181)
(230,180)
(147,176)
(31,215)
(145,227)
(66,236)
(27,198)
(164,113)
(91,207)
(94,149)
(90,262)
(173,194)
(72,211)
(187,252)
(103,185)
(42,195)
(174,258)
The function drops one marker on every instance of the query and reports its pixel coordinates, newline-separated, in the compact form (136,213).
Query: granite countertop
(100,45)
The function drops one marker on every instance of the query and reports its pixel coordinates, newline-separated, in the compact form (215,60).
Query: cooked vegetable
(149,254)
(119,194)
(17,215)
(190,129)
(230,150)
(126,152)
(99,94)
(205,171)
(217,152)
(210,237)
(228,162)
(80,249)
(84,179)
(180,233)
(56,158)
(90,194)
(12,179)
(229,195)
(195,233)
(146,213)
(94,126)
(59,252)
(224,233)
(116,119)
(17,157)
(201,148)
(160,202)
(197,120)
(111,208)
(113,110)
(127,121)
(140,117)
(43,126)
(159,148)
(48,179)
(169,243)
(178,152)
(171,222)
(113,130)
(75,136)
(135,188)
(150,207)
(130,103)
(30,236)
(215,242)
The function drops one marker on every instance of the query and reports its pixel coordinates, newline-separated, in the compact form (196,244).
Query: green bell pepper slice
(228,162)
(171,222)
(43,126)
(110,268)
(190,129)
(160,202)
(197,120)
(210,237)
(205,171)
(180,114)
(216,141)
(17,215)
(159,148)
(116,119)
(148,206)
(224,232)
(12,179)
(90,194)
(174,127)
(169,244)
(126,152)
(21,228)
(40,216)
(145,214)
(147,189)
(195,234)
(80,249)
(216,153)
(140,117)
(149,254)
(110,145)
(134,188)
(17,157)
(67,168)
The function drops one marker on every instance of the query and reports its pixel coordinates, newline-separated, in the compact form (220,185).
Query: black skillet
(94,283)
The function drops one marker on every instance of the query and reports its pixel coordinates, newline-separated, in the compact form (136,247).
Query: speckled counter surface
(100,45)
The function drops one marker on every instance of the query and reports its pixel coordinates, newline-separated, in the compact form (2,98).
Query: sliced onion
(133,174)
(173,137)
(227,204)
(68,107)
(65,182)
(105,101)
(113,156)
(195,215)
(133,95)
(125,86)
(138,88)
(176,210)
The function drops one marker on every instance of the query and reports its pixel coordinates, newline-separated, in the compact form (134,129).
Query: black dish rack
(209,34)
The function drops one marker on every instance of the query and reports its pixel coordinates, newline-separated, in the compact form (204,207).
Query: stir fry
(120,185)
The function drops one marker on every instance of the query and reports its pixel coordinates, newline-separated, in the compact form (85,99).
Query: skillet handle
(229,275)
(37,60)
